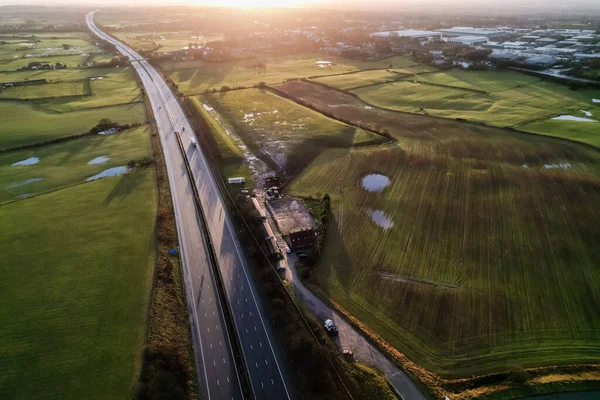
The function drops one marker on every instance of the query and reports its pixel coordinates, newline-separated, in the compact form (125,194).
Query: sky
(508,5)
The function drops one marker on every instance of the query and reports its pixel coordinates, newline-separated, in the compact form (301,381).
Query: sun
(263,3)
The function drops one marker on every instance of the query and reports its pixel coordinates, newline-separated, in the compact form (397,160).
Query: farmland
(116,87)
(364,78)
(503,99)
(79,264)
(31,92)
(68,163)
(25,123)
(193,77)
(78,255)
(481,251)
(284,135)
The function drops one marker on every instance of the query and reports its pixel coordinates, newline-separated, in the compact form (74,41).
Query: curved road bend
(216,368)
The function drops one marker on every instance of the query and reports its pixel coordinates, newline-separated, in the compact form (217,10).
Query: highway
(217,372)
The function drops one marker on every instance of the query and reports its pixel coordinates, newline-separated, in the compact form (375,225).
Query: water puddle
(595,100)
(27,182)
(29,161)
(109,131)
(564,166)
(109,172)
(375,182)
(99,160)
(573,118)
(368,108)
(587,113)
(207,107)
(382,220)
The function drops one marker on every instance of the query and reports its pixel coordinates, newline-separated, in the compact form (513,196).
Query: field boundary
(445,86)
(461,120)
(298,101)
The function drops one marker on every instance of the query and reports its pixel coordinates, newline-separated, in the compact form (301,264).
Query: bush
(518,374)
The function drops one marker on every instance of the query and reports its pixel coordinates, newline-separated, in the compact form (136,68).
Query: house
(302,238)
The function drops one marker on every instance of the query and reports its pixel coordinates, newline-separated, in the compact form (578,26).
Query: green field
(282,133)
(486,81)
(585,132)
(61,75)
(32,92)
(14,64)
(79,262)
(511,99)
(481,252)
(66,163)
(348,81)
(193,77)
(24,123)
(117,87)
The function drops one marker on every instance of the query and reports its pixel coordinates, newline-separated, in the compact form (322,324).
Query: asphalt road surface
(217,374)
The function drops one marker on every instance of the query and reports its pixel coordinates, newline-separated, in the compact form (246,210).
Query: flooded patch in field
(207,107)
(587,113)
(29,161)
(565,166)
(375,182)
(595,100)
(99,160)
(24,195)
(109,172)
(96,78)
(382,220)
(27,182)
(573,118)
(259,169)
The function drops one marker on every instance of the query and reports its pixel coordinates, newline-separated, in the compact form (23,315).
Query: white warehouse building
(467,40)
(411,33)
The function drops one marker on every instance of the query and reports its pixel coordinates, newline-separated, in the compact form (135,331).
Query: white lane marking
(266,362)
(223,360)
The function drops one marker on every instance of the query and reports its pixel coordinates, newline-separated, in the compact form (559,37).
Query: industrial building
(411,33)
(541,61)
(470,31)
(467,40)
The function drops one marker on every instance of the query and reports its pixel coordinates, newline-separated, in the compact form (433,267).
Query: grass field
(117,87)
(486,81)
(66,163)
(511,99)
(285,135)
(348,81)
(32,92)
(14,64)
(584,132)
(480,254)
(24,123)
(79,264)
(59,75)
(194,77)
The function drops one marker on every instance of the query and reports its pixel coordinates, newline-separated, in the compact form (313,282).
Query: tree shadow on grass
(128,183)
(336,256)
